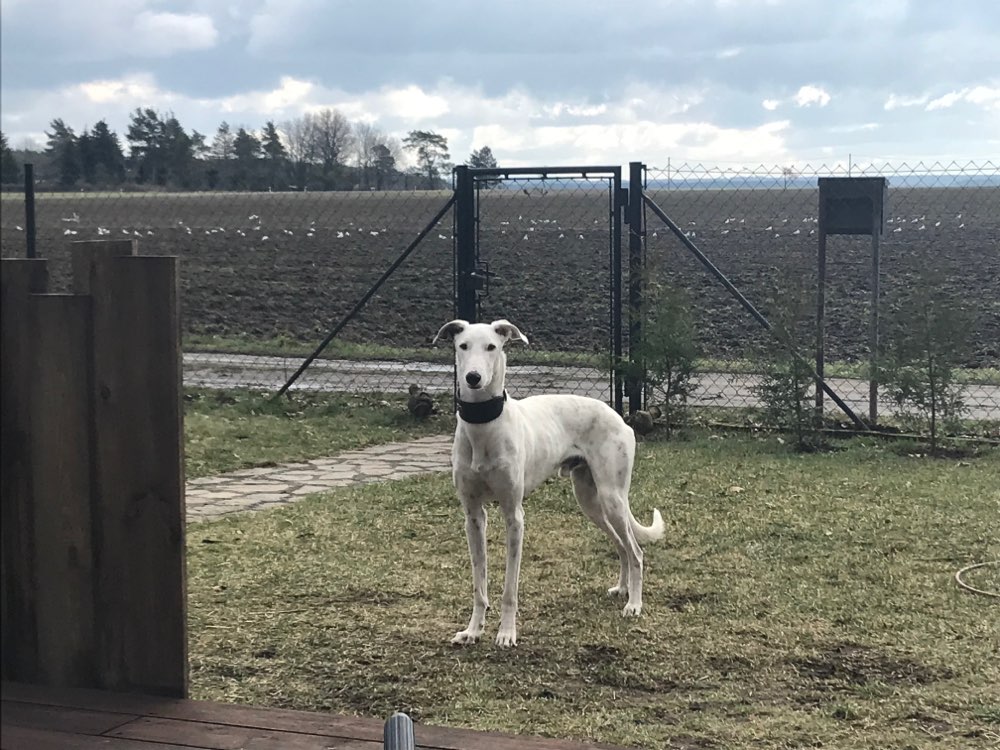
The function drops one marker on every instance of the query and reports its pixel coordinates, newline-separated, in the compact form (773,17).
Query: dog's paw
(632,610)
(507,637)
(465,638)
(618,591)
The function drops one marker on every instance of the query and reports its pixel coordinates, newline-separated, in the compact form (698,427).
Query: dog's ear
(509,331)
(450,330)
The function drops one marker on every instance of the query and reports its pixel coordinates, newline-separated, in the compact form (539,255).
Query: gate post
(465,245)
(636,237)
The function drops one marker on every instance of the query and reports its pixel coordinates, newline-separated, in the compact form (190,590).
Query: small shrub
(926,340)
(787,385)
(667,356)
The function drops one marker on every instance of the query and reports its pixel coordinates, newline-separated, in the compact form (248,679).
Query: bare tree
(376,154)
(333,139)
(300,143)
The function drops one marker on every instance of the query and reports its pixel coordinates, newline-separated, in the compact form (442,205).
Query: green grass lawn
(797,601)
(228,430)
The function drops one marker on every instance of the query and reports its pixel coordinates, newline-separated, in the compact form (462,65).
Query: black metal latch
(481,279)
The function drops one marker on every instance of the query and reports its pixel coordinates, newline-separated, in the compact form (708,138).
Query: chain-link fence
(760,228)
(545,249)
(266,276)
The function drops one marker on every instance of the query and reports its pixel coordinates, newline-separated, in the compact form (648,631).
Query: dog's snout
(473,378)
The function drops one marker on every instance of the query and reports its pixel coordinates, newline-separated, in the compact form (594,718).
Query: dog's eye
(491,347)
(463,346)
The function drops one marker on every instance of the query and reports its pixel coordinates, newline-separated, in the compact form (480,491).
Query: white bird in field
(725,231)
(18,228)
(252,217)
(525,237)
(70,231)
(75,217)
(897,229)
(768,228)
(797,231)
(340,235)
(373,233)
(265,237)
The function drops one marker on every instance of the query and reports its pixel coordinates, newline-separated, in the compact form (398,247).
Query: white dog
(505,448)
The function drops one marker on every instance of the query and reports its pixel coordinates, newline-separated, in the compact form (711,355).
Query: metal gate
(542,247)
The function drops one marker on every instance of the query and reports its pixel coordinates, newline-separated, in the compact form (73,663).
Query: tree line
(320,150)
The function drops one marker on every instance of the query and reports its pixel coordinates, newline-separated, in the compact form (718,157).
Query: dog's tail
(652,533)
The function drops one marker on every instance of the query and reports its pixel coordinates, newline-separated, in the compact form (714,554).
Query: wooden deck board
(44,717)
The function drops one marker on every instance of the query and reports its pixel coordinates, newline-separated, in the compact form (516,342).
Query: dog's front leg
(514,516)
(475,533)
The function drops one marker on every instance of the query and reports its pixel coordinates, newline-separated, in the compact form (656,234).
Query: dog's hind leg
(586,494)
(615,508)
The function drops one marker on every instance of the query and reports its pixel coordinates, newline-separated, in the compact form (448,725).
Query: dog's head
(479,354)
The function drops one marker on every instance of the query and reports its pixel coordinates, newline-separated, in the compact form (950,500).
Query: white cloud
(896,101)
(771,104)
(985,96)
(808,95)
(164,34)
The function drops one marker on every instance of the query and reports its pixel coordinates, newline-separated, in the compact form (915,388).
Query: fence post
(138,473)
(20,278)
(59,407)
(29,210)
(465,245)
(636,238)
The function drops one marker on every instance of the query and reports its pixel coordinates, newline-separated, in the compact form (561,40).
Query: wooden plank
(19,278)
(23,738)
(60,416)
(141,591)
(85,255)
(329,725)
(61,719)
(231,737)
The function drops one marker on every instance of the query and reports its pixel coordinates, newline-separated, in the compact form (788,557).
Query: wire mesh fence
(545,246)
(760,227)
(265,276)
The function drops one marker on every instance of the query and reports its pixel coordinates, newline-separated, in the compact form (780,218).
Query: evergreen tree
(62,148)
(10,170)
(274,152)
(431,151)
(107,153)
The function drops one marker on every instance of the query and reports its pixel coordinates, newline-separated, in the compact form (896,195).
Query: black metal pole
(29,209)
(820,316)
(465,245)
(617,205)
(873,375)
(748,306)
(636,237)
(368,295)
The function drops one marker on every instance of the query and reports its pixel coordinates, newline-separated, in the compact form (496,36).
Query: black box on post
(853,205)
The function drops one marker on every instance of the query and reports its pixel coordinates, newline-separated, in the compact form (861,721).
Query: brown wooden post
(60,447)
(19,278)
(139,476)
(85,253)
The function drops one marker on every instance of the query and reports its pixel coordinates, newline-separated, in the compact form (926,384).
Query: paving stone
(267,487)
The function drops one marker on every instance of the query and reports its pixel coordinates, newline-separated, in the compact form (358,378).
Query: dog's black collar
(481,412)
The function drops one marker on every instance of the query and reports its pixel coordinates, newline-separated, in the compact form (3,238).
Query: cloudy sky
(560,82)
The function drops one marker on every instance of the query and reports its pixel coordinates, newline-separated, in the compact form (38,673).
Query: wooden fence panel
(93,571)
(20,278)
(139,475)
(60,446)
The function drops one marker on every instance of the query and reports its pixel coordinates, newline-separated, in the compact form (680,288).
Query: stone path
(255,489)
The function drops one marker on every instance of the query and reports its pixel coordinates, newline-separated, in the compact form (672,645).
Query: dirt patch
(606,665)
(847,664)
(263,265)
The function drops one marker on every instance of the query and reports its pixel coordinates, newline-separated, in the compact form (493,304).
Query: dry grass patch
(799,601)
